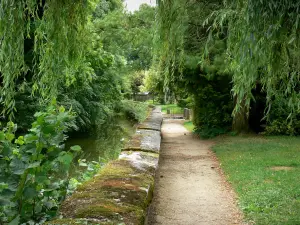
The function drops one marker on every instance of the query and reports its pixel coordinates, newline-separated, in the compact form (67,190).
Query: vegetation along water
(70,72)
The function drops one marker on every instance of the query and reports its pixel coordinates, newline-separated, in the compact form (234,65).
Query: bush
(182,103)
(186,103)
(278,122)
(209,132)
(213,107)
(133,110)
(283,127)
(34,168)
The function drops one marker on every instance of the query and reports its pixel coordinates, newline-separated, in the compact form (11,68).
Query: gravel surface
(190,188)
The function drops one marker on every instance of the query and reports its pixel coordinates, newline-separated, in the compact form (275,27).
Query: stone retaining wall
(121,192)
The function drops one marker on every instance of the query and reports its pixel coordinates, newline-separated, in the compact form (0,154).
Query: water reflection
(103,146)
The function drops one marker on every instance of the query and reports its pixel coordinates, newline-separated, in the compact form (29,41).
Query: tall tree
(263,38)
(57,31)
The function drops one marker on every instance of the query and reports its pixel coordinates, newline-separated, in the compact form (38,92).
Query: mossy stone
(121,192)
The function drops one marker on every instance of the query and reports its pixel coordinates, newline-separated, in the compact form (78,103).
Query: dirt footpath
(189,188)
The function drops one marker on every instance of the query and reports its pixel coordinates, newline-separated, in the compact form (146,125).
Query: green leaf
(13,182)
(15,221)
(30,192)
(34,165)
(9,136)
(7,149)
(29,138)
(20,140)
(291,40)
(65,158)
(2,136)
(38,207)
(3,186)
(42,179)
(17,166)
(62,109)
(76,148)
(4,201)
(49,129)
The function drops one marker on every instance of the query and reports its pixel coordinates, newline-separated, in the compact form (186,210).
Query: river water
(102,147)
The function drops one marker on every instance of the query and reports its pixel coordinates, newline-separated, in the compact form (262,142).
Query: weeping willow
(57,29)
(171,20)
(263,46)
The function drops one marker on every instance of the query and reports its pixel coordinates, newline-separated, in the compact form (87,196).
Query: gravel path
(190,188)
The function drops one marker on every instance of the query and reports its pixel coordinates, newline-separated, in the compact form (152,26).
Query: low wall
(121,192)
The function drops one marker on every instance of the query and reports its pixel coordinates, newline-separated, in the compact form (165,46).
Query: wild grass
(265,173)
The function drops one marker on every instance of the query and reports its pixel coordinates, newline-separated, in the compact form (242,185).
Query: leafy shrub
(34,168)
(182,103)
(209,132)
(209,87)
(278,124)
(283,127)
(133,110)
(212,108)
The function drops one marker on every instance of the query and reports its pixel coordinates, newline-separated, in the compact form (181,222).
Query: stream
(99,147)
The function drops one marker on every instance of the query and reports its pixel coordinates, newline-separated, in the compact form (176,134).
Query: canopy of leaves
(57,32)
(255,42)
(263,38)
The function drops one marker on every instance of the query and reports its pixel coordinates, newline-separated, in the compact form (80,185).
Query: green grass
(266,197)
(189,125)
(173,108)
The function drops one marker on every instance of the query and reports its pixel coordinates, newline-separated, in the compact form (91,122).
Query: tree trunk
(240,121)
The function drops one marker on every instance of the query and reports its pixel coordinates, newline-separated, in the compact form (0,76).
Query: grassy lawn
(265,173)
(173,108)
(189,125)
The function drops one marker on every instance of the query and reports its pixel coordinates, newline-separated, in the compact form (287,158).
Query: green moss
(116,169)
(134,190)
(87,195)
(113,212)
(118,194)
(76,222)
(135,142)
(121,191)
(105,209)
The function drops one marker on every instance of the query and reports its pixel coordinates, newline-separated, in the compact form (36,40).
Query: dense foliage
(53,33)
(88,61)
(86,54)
(250,45)
(34,167)
(191,70)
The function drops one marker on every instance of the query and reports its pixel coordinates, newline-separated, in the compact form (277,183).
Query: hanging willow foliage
(263,45)
(57,28)
(169,39)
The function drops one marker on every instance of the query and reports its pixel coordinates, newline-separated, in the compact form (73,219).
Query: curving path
(189,188)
